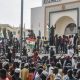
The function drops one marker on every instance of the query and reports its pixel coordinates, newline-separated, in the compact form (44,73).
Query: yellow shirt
(24,74)
(52,77)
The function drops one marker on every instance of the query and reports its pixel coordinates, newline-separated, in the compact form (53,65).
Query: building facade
(64,15)
(6,29)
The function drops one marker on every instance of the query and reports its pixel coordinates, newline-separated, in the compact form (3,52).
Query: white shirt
(50,70)
(72,41)
(70,52)
(58,76)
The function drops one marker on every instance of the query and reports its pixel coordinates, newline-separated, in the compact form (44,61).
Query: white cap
(17,70)
(4,64)
(58,78)
(26,64)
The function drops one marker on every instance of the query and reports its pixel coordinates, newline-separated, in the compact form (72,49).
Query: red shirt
(4,79)
(31,76)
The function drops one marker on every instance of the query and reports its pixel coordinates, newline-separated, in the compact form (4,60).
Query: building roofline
(60,4)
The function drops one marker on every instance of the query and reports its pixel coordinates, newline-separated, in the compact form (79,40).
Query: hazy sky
(10,11)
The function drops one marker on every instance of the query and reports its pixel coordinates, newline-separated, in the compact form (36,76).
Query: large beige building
(6,29)
(62,14)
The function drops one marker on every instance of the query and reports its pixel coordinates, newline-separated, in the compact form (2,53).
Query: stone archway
(61,25)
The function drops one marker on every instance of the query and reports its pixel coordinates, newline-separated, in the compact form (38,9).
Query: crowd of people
(10,47)
(66,43)
(65,66)
(61,67)
(63,44)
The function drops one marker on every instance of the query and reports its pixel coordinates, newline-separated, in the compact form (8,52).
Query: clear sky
(10,11)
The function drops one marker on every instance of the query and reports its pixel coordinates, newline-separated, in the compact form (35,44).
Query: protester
(38,75)
(3,75)
(57,75)
(16,75)
(70,75)
(25,72)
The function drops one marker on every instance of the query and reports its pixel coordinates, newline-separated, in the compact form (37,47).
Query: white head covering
(4,64)
(26,64)
(17,70)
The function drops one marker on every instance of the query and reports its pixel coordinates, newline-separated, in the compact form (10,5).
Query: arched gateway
(65,26)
